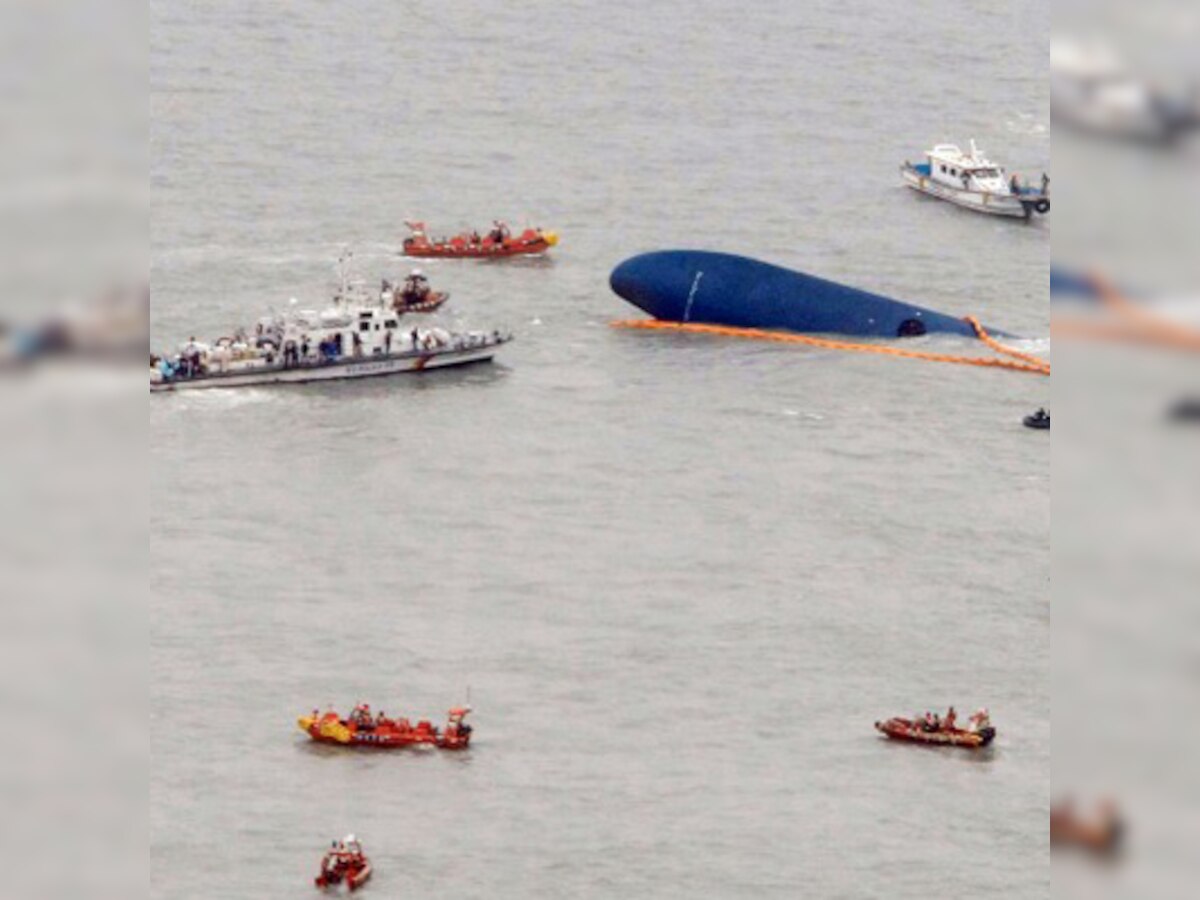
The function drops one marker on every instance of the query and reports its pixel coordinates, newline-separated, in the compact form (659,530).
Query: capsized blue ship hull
(724,289)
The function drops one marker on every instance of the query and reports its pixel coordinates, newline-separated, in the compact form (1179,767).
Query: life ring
(1042,206)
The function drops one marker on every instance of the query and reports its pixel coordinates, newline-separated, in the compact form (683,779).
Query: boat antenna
(343,278)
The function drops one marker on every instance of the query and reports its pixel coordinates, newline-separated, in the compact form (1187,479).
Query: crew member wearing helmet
(499,233)
(980,720)
(416,288)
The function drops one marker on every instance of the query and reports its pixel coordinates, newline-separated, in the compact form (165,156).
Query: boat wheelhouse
(973,181)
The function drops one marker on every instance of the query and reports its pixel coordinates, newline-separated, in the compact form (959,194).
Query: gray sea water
(680,576)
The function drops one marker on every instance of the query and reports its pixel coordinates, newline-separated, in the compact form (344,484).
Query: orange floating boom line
(1018,361)
(1132,324)
(1037,362)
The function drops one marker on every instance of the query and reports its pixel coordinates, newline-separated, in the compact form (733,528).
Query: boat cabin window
(954,171)
(364,326)
(943,168)
(986,173)
(391,323)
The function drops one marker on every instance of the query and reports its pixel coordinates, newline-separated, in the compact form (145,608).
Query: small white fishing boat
(358,336)
(975,182)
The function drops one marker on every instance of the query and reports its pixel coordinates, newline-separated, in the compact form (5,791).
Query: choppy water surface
(680,576)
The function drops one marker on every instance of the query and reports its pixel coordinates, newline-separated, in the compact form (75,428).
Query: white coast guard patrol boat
(357,336)
(973,181)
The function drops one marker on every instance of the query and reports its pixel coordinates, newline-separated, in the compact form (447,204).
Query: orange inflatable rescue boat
(433,300)
(344,863)
(361,729)
(941,733)
(499,242)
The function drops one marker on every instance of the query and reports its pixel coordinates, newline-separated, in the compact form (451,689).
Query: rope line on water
(1132,323)
(1016,361)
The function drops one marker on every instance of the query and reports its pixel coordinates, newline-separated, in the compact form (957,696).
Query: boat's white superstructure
(975,182)
(356,337)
